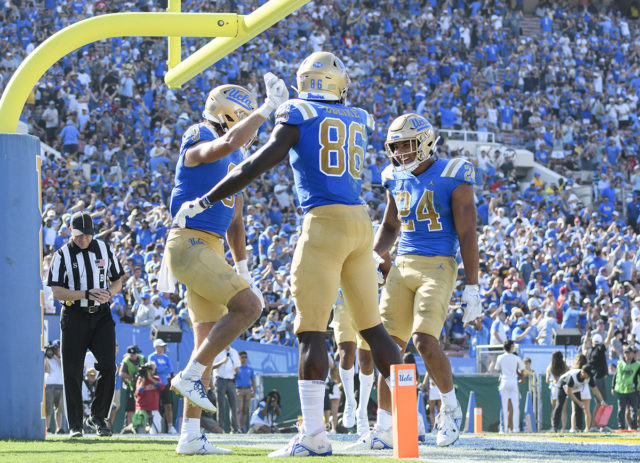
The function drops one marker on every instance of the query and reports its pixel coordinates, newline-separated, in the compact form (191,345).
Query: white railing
(469,135)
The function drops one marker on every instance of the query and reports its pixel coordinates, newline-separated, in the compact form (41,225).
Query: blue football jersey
(193,182)
(328,159)
(424,206)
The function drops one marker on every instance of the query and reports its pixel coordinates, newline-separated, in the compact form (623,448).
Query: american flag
(100,262)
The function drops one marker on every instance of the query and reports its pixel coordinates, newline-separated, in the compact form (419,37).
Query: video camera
(50,349)
(143,371)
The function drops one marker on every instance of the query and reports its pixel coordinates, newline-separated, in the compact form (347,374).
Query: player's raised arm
(240,125)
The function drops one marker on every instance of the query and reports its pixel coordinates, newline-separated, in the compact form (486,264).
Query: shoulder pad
(197,133)
(295,112)
(387,174)
(459,169)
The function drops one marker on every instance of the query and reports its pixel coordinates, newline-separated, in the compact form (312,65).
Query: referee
(84,275)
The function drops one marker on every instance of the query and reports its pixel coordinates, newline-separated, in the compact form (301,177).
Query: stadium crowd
(569,95)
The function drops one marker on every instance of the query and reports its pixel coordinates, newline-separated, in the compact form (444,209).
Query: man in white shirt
(225,366)
(509,365)
(53,386)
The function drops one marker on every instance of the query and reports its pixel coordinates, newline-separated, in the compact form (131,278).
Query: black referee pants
(81,331)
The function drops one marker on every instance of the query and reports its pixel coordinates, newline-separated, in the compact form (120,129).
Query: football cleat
(374,440)
(303,445)
(322,76)
(419,132)
(362,425)
(448,425)
(193,391)
(200,446)
(348,416)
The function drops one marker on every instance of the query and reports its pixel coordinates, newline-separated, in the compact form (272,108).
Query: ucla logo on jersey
(419,123)
(283,114)
(195,241)
(242,98)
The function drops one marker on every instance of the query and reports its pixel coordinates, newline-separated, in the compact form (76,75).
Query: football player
(430,202)
(348,340)
(220,301)
(327,140)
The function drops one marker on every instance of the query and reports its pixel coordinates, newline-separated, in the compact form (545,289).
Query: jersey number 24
(424,211)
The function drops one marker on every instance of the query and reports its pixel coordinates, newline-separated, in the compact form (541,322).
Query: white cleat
(362,426)
(200,446)
(348,416)
(448,426)
(193,391)
(303,445)
(374,440)
(172,430)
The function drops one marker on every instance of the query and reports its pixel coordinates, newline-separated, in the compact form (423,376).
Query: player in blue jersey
(220,301)
(327,140)
(430,202)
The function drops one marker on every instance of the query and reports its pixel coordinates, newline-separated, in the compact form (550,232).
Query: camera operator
(263,419)
(147,397)
(53,385)
(128,369)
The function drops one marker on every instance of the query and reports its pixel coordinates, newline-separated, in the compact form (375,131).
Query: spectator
(625,388)
(164,370)
(555,370)
(509,365)
(225,366)
(246,389)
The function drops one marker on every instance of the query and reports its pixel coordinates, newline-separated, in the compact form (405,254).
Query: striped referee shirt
(81,269)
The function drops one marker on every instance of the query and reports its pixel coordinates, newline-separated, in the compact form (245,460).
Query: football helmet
(322,76)
(419,132)
(228,104)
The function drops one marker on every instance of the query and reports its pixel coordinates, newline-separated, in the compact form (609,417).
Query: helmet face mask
(322,76)
(419,134)
(227,105)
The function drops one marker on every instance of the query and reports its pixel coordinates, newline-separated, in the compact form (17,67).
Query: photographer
(263,419)
(128,369)
(147,397)
(53,385)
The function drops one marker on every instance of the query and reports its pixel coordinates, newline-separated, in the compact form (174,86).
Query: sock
(383,420)
(449,399)
(346,376)
(190,428)
(312,404)
(366,383)
(194,370)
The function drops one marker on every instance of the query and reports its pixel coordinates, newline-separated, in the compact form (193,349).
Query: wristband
(86,294)
(379,260)
(242,267)
(204,202)
(265,109)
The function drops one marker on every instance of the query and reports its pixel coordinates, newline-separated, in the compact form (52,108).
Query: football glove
(471,303)
(277,94)
(188,209)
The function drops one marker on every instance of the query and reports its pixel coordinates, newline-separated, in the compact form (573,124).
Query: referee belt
(89,309)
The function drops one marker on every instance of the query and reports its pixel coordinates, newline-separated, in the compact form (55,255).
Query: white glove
(242,269)
(188,209)
(379,261)
(277,94)
(471,303)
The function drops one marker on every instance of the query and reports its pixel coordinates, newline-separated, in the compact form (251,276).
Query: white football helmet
(228,104)
(419,132)
(322,76)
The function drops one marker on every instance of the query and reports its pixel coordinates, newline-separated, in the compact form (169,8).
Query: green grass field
(123,450)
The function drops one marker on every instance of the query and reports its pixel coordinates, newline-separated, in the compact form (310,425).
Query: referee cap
(81,224)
